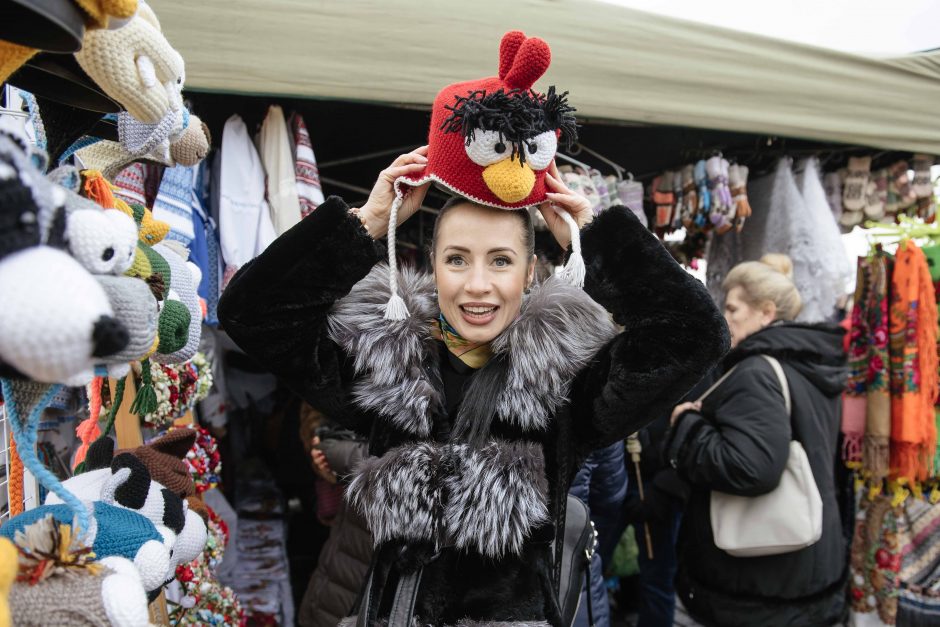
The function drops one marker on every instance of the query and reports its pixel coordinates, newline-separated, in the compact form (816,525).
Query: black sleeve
(672,332)
(744,449)
(276,307)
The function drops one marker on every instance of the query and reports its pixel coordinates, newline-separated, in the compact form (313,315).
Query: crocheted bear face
(491,140)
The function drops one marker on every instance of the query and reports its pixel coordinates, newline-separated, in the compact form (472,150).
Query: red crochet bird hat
(492,140)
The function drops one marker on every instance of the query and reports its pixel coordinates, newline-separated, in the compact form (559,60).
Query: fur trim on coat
(486,500)
(451,495)
(558,331)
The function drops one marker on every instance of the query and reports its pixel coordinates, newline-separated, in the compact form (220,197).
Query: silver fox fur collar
(558,331)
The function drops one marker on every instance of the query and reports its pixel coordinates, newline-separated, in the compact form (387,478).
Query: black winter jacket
(480,521)
(739,444)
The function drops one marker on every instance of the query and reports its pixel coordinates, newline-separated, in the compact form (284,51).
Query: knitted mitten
(136,66)
(662,197)
(677,194)
(689,196)
(704,195)
(832,182)
(902,183)
(877,195)
(922,186)
(737,178)
(630,194)
(855,185)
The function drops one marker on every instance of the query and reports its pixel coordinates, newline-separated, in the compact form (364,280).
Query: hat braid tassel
(575,270)
(395,309)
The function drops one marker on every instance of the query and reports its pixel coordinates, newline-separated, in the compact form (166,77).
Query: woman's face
(743,319)
(481,268)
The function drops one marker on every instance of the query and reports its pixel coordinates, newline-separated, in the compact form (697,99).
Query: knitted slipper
(855,186)
(922,185)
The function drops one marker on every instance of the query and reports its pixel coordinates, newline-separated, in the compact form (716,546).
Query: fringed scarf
(913,327)
(875,452)
(853,401)
(932,253)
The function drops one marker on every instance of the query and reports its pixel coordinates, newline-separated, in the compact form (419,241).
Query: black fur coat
(478,518)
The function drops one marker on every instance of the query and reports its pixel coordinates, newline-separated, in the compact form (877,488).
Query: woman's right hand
(320,466)
(681,409)
(375,212)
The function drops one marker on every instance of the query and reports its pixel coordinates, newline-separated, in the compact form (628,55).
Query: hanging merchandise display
(109,529)
(789,214)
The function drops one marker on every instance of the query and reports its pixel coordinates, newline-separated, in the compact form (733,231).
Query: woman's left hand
(562,198)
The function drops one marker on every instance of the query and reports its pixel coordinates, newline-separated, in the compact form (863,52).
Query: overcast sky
(878,27)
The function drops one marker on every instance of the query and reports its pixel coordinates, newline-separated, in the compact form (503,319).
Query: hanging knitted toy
(492,140)
(136,66)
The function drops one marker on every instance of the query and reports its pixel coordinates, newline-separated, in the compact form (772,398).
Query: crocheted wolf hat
(492,140)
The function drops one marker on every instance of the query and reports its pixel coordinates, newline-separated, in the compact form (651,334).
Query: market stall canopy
(619,64)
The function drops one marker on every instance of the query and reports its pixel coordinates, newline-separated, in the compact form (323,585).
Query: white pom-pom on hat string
(574,271)
(395,309)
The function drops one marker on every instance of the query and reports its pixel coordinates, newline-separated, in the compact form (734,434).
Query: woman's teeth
(479,311)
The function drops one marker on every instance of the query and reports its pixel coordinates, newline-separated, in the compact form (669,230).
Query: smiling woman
(481,393)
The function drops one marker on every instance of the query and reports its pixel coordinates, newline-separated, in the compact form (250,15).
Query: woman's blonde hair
(767,280)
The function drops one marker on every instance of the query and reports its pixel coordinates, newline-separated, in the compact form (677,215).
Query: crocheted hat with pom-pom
(492,141)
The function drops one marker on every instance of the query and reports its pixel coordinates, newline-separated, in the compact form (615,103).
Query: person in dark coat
(345,557)
(601,484)
(738,442)
(471,459)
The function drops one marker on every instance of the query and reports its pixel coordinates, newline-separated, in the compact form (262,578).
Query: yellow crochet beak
(509,180)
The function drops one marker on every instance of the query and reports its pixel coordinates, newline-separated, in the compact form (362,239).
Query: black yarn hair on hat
(517,115)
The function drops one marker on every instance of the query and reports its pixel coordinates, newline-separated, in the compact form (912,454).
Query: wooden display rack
(127,429)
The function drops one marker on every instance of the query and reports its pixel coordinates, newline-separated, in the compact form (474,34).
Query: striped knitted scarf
(913,328)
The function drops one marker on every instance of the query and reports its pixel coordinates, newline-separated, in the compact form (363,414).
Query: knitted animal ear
(176,442)
(132,481)
(100,454)
(508,48)
(531,62)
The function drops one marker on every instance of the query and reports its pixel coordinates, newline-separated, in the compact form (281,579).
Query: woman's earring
(527,289)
